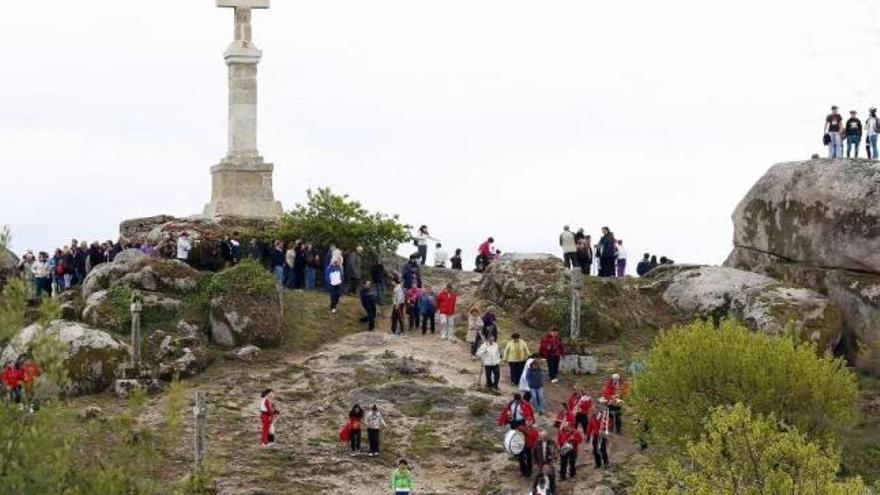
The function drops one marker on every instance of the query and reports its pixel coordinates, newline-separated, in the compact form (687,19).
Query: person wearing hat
(853,134)
(183,247)
(515,354)
(833,129)
(872,127)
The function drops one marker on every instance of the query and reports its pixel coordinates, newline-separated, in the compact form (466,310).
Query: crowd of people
(837,131)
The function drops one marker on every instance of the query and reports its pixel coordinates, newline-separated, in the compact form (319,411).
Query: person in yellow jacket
(515,354)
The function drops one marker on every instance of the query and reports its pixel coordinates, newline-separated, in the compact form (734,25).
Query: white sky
(490,117)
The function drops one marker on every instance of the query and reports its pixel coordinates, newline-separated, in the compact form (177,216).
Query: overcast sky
(491,117)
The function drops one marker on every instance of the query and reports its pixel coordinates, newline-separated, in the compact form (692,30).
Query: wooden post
(199,413)
(575,317)
(137,308)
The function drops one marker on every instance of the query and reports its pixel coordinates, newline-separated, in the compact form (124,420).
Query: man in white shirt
(569,247)
(440,256)
(621,259)
(491,357)
(183,247)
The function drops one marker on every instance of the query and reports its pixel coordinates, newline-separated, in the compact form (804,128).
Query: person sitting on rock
(440,256)
(373,421)
(455,261)
(644,266)
(183,247)
(569,441)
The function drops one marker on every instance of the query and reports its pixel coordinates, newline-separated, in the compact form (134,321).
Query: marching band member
(516,413)
(564,416)
(580,402)
(569,439)
(531,435)
(597,433)
(544,453)
(613,393)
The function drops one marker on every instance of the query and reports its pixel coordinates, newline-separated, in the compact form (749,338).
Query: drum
(514,442)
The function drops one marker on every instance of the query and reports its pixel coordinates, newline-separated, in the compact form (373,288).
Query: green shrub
(742,454)
(693,369)
(417,409)
(247,277)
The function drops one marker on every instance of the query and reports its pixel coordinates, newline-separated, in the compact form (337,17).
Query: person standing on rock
(491,357)
(368,301)
(426,308)
(621,259)
(607,251)
(446,307)
(515,354)
(402,479)
(333,277)
(872,127)
(374,421)
(474,327)
(42,279)
(551,350)
(398,301)
(569,441)
(355,418)
(853,134)
(484,258)
(569,248)
(422,239)
(584,255)
(355,269)
(833,129)
(455,261)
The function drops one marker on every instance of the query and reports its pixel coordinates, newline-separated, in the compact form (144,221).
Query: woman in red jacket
(552,350)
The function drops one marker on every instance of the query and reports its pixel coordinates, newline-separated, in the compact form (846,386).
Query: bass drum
(514,442)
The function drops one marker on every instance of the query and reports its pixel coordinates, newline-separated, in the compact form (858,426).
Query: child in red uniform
(267,415)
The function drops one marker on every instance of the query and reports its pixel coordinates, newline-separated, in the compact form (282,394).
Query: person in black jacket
(607,253)
(644,266)
(368,301)
(853,134)
(377,279)
(299,266)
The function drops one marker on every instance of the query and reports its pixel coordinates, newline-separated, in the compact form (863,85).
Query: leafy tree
(695,368)
(328,218)
(742,454)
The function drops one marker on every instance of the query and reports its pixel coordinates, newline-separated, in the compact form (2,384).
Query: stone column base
(243,188)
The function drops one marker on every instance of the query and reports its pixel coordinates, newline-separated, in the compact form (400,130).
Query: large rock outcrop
(91,356)
(817,224)
(8,265)
(135,270)
(539,287)
(245,307)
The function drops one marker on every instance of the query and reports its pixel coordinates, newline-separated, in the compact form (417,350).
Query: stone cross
(575,321)
(199,411)
(242,181)
(137,307)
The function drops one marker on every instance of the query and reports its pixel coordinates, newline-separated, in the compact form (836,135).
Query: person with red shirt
(564,416)
(568,440)
(12,377)
(29,373)
(552,350)
(484,258)
(613,394)
(597,433)
(531,435)
(267,416)
(580,402)
(412,306)
(517,412)
(446,307)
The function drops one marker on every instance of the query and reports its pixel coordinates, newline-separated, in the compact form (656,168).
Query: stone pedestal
(579,364)
(242,190)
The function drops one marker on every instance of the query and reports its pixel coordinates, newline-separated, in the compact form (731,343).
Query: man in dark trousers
(544,452)
(368,301)
(853,134)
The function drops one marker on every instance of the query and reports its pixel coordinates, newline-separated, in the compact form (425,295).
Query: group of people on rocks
(578,251)
(836,131)
(578,420)
(67,267)
(649,262)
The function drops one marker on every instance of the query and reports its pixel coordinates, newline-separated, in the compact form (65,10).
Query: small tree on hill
(742,454)
(693,369)
(328,218)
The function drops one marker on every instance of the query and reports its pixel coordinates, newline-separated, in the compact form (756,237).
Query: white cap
(615,377)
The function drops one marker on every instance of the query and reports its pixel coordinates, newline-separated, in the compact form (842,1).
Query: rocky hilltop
(817,224)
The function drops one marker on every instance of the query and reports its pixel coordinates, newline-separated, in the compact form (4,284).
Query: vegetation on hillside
(327,218)
(745,454)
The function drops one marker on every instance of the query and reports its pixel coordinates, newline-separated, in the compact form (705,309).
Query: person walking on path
(446,307)
(355,418)
(368,301)
(569,248)
(489,354)
(853,134)
(612,395)
(621,259)
(402,479)
(607,251)
(412,306)
(373,421)
(872,127)
(597,433)
(422,239)
(398,301)
(267,417)
(515,354)
(833,130)
(551,350)
(333,276)
(535,381)
(474,328)
(427,309)
(569,440)
(531,435)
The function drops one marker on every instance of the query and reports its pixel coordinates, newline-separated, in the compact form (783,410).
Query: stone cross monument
(242,181)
